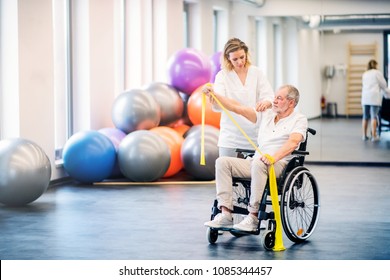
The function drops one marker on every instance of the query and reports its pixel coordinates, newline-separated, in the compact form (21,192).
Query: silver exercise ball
(135,109)
(25,171)
(143,156)
(191,152)
(170,101)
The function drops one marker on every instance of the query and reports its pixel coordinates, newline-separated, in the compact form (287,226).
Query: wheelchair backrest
(301,152)
(384,112)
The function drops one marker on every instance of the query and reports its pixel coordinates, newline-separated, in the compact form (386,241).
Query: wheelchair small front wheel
(212,235)
(268,239)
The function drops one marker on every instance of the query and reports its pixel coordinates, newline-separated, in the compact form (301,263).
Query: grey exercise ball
(170,101)
(135,109)
(191,152)
(143,156)
(25,171)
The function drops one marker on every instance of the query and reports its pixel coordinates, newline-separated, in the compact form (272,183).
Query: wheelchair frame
(384,117)
(298,199)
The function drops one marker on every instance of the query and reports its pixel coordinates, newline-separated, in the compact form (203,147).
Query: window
(186,24)
(62,74)
(386,54)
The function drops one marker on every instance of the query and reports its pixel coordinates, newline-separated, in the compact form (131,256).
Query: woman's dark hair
(372,64)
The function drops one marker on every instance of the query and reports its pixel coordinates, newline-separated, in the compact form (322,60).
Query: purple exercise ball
(215,65)
(116,136)
(188,69)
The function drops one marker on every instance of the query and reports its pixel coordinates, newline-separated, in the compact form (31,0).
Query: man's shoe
(221,221)
(250,223)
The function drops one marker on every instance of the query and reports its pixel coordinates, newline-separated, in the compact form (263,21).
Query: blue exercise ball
(89,156)
(144,156)
(191,152)
(25,171)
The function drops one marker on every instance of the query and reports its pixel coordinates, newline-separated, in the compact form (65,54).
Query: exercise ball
(169,100)
(143,156)
(191,152)
(174,141)
(25,171)
(182,128)
(194,110)
(116,136)
(135,109)
(188,69)
(89,156)
(184,118)
(215,65)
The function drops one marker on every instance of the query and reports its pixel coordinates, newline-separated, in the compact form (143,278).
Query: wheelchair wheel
(268,239)
(212,235)
(299,204)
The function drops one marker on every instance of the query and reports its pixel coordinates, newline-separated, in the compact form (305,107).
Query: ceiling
(358,22)
(340,22)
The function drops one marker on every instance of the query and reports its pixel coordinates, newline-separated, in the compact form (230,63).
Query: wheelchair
(384,117)
(298,197)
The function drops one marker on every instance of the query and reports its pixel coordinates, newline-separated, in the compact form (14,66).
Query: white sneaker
(250,223)
(375,139)
(263,224)
(221,221)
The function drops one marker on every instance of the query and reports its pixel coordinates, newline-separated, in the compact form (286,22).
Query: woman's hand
(207,89)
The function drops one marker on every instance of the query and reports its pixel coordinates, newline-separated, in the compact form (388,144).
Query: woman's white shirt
(374,87)
(255,89)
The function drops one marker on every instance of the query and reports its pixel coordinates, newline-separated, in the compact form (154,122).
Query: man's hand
(267,159)
(263,105)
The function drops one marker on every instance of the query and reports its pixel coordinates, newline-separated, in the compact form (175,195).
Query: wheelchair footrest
(266,215)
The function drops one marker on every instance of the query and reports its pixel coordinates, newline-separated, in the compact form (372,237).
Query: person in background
(281,130)
(245,83)
(374,87)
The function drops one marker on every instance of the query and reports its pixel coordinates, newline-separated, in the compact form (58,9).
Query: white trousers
(255,169)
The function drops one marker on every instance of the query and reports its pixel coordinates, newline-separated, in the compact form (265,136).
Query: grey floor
(165,222)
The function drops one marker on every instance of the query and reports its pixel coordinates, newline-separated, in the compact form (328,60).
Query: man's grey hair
(292,93)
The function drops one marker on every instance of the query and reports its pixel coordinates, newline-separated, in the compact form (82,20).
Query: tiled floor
(165,222)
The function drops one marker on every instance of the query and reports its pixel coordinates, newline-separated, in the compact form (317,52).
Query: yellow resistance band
(272,177)
(202,157)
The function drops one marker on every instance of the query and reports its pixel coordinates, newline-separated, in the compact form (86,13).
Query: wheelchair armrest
(312,131)
(248,151)
(245,153)
(300,153)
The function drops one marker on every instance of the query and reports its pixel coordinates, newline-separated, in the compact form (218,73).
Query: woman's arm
(230,104)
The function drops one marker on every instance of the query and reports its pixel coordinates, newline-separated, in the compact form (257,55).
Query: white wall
(35,75)
(9,75)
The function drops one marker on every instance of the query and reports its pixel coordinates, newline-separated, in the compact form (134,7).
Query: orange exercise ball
(174,141)
(194,109)
(181,128)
